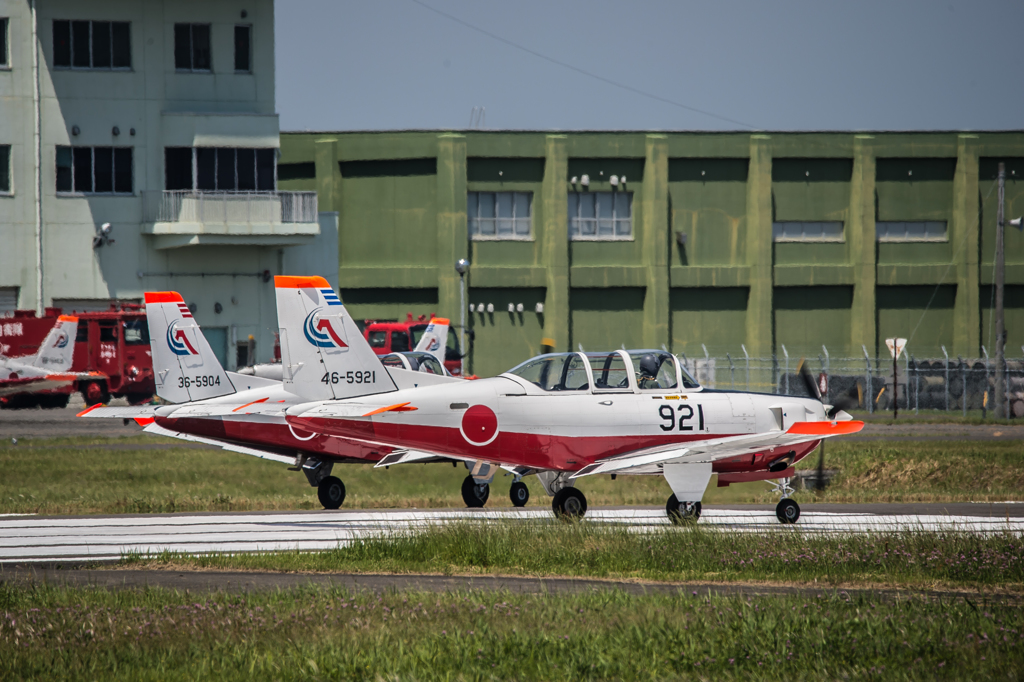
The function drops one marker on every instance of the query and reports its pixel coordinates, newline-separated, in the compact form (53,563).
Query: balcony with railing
(177,218)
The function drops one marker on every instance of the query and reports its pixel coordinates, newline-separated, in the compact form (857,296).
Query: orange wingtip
(89,409)
(144,421)
(825,428)
(67,318)
(164,297)
(400,407)
(291,282)
(440,320)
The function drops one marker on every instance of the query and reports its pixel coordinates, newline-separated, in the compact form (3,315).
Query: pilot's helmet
(649,365)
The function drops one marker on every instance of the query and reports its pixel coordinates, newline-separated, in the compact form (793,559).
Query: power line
(584,72)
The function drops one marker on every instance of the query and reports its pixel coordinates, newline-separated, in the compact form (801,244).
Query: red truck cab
(401,337)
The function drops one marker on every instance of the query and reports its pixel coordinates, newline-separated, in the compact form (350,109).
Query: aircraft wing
(647,461)
(225,445)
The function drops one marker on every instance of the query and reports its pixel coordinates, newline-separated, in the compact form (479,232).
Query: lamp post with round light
(462,267)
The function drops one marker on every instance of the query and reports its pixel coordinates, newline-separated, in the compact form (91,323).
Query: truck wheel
(95,392)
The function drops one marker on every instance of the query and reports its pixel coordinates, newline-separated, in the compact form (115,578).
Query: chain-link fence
(952,384)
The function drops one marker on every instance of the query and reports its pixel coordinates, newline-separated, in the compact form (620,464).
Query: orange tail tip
(164,297)
(292,282)
(825,428)
(400,407)
(440,320)
(67,318)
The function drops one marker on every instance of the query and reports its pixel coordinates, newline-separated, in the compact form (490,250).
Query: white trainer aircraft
(246,413)
(565,416)
(49,368)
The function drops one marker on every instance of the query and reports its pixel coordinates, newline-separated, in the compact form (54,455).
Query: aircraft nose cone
(479,425)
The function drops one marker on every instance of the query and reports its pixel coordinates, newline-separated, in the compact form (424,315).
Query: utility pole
(1000,392)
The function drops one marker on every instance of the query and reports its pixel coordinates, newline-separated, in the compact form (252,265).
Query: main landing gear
(787,511)
(519,494)
(475,494)
(569,503)
(331,492)
(682,512)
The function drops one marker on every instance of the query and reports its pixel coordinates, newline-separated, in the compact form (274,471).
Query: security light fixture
(102,237)
(614,180)
(1016,222)
(572,180)
(490,307)
(623,179)
(585,180)
(519,307)
(462,266)
(511,307)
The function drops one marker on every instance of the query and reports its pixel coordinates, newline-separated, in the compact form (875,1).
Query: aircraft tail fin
(57,350)
(323,354)
(434,339)
(184,365)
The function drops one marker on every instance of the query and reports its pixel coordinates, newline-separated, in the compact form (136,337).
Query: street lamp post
(462,267)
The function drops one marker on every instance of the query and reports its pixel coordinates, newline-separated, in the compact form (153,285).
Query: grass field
(54,633)
(551,548)
(130,475)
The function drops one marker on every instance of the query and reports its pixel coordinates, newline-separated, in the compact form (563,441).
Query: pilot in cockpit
(647,374)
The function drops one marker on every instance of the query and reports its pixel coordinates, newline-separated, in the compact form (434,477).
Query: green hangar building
(706,243)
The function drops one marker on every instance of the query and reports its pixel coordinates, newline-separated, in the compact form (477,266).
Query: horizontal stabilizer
(231,447)
(126,412)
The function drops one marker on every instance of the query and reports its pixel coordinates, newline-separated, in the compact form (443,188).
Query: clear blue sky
(807,65)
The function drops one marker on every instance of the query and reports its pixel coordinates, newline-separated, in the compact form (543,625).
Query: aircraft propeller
(841,402)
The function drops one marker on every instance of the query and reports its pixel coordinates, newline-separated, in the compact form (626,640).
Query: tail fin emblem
(178,342)
(320,332)
(62,340)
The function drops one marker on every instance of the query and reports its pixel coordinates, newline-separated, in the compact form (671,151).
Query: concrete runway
(29,538)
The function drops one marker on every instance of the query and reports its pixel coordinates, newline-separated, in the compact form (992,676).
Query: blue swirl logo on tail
(62,340)
(178,342)
(320,332)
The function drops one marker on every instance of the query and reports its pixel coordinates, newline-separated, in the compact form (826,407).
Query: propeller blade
(809,381)
(820,483)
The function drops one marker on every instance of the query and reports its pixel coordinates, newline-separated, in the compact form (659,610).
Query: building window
(8,304)
(5,58)
(220,169)
(911,231)
(5,169)
(600,215)
(95,170)
(243,48)
(192,47)
(498,215)
(92,44)
(807,231)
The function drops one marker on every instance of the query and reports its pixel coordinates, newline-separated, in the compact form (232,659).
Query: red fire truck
(113,343)
(398,337)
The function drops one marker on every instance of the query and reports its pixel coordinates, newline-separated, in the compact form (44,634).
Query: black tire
(682,512)
(787,511)
(475,496)
(56,401)
(569,503)
(331,492)
(519,494)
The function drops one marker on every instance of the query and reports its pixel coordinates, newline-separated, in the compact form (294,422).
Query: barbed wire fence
(944,383)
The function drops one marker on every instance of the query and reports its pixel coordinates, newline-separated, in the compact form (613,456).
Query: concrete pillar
(328,175)
(452,239)
(860,236)
(964,237)
(554,236)
(760,341)
(654,242)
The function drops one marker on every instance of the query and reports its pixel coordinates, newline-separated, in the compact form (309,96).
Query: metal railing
(944,383)
(198,206)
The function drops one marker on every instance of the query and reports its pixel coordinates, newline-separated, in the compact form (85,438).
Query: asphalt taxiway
(30,538)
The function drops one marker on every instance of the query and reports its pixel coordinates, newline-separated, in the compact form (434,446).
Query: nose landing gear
(787,511)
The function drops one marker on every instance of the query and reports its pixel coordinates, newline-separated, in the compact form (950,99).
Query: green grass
(112,475)
(546,548)
(51,633)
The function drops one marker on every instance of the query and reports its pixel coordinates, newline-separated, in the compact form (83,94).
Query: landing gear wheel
(788,511)
(331,492)
(519,493)
(682,512)
(473,494)
(569,503)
